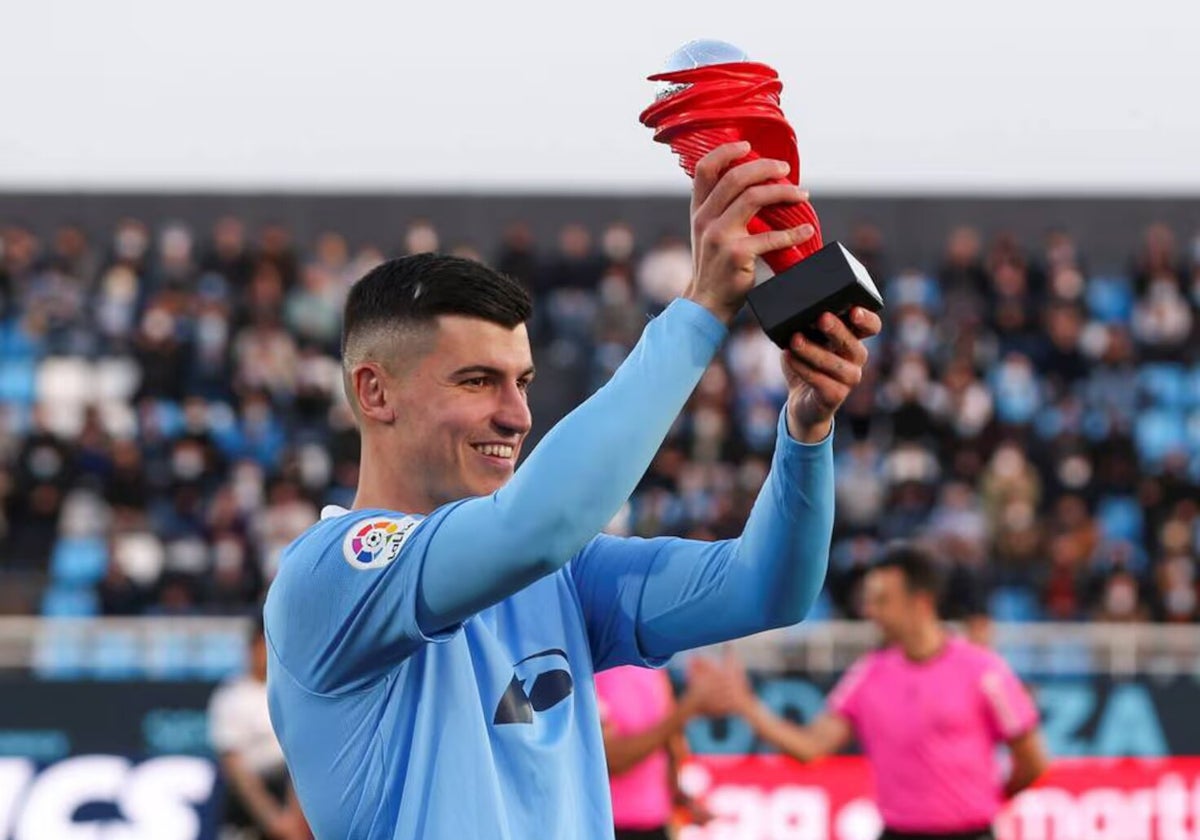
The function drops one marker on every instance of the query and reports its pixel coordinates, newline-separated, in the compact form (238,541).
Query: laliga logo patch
(376,542)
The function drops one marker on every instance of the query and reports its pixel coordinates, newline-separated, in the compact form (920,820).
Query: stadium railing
(211,647)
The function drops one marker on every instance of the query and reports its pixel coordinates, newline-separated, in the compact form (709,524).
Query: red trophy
(711,94)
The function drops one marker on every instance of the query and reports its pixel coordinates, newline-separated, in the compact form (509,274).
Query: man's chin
(487,485)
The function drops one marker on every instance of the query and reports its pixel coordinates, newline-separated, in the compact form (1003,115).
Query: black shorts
(642,834)
(977,834)
(237,815)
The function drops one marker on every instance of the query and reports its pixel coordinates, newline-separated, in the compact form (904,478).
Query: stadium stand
(171,417)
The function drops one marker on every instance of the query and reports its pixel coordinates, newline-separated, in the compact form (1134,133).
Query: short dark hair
(414,290)
(916,564)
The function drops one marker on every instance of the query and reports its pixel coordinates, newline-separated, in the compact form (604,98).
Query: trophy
(711,94)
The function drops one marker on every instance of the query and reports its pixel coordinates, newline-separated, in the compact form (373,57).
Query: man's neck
(925,643)
(383,483)
(364,499)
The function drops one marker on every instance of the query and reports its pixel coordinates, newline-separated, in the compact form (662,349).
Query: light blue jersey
(431,677)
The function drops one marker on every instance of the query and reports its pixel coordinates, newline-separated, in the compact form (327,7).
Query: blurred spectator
(962,264)
(229,255)
(861,488)
(177,269)
(1062,363)
(1121,599)
(131,246)
(288,514)
(275,248)
(263,297)
(313,311)
(264,355)
(618,247)
(665,272)
(866,242)
(618,323)
(1157,256)
(568,293)
(331,254)
(1163,322)
(420,237)
(116,303)
(55,302)
(518,257)
(161,354)
(1011,493)
(43,471)
(262,804)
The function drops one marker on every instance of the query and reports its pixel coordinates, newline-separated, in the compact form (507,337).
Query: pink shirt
(633,700)
(930,730)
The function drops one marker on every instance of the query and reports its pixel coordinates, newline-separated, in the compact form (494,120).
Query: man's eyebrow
(488,370)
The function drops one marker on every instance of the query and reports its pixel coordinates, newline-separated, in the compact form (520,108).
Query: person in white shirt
(260,803)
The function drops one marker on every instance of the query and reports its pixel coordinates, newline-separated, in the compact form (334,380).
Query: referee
(928,709)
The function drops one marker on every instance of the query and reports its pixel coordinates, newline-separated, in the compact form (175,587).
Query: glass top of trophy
(699,53)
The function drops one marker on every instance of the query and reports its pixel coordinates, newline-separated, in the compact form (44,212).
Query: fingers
(865,322)
(842,361)
(752,199)
(710,168)
(840,340)
(738,179)
(830,391)
(773,240)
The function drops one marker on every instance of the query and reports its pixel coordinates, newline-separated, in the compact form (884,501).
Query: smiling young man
(432,650)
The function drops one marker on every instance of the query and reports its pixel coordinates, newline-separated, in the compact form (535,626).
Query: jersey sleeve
(644,600)
(846,698)
(609,576)
(343,609)
(1010,710)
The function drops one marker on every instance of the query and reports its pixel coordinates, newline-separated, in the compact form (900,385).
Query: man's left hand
(820,377)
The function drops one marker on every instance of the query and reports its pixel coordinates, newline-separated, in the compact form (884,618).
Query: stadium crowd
(171,414)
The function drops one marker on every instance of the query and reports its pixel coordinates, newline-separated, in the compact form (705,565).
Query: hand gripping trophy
(711,94)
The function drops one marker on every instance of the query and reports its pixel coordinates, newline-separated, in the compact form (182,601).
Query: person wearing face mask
(431,650)
(928,709)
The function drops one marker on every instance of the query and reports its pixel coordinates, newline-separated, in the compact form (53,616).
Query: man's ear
(371,392)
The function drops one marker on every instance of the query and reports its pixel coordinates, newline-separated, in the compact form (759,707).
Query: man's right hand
(724,200)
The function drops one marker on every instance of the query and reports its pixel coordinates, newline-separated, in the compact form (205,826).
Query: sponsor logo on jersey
(540,682)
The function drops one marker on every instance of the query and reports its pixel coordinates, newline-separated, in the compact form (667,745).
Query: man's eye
(523,384)
(475,381)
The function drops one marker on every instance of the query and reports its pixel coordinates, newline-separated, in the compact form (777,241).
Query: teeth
(496,449)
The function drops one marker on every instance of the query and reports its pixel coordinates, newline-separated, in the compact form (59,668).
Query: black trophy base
(831,280)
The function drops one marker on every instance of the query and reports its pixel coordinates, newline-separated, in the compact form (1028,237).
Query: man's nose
(512,414)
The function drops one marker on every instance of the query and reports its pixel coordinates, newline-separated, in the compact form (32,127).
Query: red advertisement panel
(774,798)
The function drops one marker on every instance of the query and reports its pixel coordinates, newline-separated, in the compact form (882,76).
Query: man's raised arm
(587,466)
(674,594)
